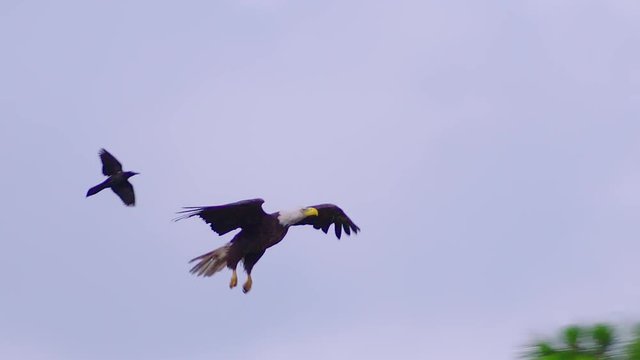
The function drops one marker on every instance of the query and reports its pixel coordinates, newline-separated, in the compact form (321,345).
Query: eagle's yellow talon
(234,280)
(247,285)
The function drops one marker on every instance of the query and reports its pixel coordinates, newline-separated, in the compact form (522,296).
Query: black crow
(117,180)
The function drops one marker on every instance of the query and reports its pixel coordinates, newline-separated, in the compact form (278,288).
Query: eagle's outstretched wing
(225,218)
(330,214)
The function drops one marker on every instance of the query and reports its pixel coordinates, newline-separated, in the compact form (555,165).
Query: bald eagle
(259,231)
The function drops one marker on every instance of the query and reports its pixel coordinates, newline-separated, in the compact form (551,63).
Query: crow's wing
(110,165)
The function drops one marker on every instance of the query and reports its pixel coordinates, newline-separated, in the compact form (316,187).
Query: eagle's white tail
(211,262)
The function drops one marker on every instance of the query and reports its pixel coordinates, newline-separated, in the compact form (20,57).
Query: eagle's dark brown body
(251,243)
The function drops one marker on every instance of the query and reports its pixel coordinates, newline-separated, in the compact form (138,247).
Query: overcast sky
(487,149)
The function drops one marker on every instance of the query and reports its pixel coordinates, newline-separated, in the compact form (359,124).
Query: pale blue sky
(488,150)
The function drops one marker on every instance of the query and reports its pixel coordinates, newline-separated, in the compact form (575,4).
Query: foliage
(597,342)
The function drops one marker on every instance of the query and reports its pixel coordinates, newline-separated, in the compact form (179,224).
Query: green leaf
(603,336)
(572,336)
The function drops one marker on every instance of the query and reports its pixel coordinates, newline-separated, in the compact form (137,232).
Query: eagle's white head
(287,218)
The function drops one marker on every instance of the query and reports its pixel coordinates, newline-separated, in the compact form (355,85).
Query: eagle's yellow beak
(310,212)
